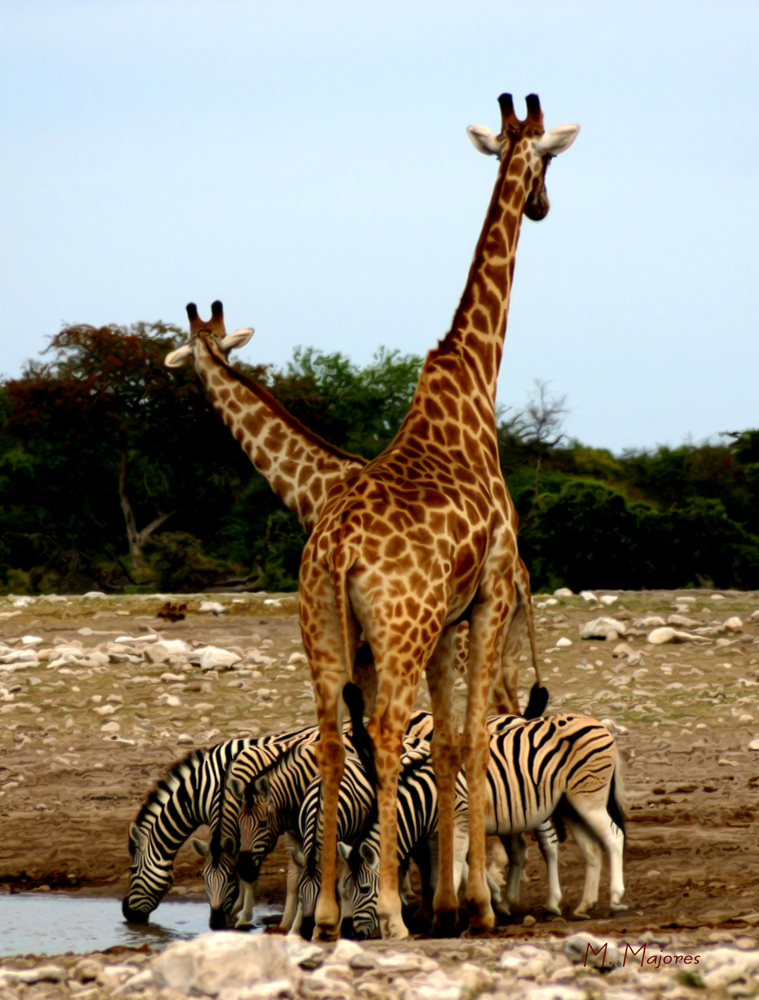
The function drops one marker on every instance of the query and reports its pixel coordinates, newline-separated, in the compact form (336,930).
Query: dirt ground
(82,744)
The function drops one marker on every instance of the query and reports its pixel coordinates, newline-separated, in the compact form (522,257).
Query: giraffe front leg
(446,761)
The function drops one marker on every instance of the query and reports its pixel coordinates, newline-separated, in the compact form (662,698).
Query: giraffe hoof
(444,924)
(581,914)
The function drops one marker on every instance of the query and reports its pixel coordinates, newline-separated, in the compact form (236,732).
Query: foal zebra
(560,764)
(188,796)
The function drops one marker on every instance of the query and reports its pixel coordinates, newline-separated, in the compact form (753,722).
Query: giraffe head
(211,333)
(525,147)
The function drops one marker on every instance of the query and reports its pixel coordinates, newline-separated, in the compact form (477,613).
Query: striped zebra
(187,797)
(561,764)
(262,802)
(417,826)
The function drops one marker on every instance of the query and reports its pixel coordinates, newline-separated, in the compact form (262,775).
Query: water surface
(53,923)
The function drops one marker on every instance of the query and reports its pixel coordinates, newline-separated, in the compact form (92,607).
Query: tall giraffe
(423,538)
(300,466)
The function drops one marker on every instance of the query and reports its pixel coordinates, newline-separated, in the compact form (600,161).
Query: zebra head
(359,888)
(254,821)
(220,877)
(150,878)
(309,887)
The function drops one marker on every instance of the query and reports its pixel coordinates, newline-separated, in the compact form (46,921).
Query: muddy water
(54,923)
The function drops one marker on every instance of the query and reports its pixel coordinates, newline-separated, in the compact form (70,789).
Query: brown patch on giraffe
(262,460)
(254,422)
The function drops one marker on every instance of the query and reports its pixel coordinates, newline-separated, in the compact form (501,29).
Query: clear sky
(307,163)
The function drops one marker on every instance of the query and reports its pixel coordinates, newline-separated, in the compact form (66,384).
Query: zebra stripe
(536,766)
(263,800)
(186,798)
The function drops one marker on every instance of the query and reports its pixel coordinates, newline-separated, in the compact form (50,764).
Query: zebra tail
(362,741)
(614,805)
(538,700)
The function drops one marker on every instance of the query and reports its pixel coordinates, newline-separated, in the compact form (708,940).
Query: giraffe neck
(299,466)
(466,362)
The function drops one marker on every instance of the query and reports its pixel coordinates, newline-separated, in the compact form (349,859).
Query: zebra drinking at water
(188,796)
(262,802)
(561,764)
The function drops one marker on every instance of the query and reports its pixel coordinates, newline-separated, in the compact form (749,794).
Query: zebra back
(533,765)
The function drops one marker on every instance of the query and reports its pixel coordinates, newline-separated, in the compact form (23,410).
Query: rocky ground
(98,696)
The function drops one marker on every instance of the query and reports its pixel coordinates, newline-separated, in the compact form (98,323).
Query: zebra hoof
(552,911)
(619,908)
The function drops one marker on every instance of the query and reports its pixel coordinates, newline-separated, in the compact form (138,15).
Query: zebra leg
(548,844)
(245,903)
(293,874)
(592,853)
(612,840)
(515,845)
(446,761)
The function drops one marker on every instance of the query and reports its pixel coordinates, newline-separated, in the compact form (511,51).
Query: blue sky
(307,163)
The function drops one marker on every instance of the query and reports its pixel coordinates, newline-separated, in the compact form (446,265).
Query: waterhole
(54,923)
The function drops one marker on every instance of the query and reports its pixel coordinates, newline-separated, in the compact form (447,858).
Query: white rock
(213,658)
(211,607)
(754,745)
(754,616)
(718,597)
(30,640)
(563,592)
(734,624)
(20,656)
(223,960)
(722,966)
(588,595)
(608,599)
(563,643)
(684,621)
(588,950)
(526,961)
(668,634)
(650,621)
(297,658)
(175,647)
(38,974)
(21,602)
(93,594)
(157,653)
(599,628)
(273,602)
(559,992)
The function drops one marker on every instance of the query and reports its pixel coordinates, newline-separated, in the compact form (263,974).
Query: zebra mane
(413,763)
(168,784)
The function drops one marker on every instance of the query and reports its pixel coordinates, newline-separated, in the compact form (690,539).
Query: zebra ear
(201,847)
(369,855)
(236,787)
(343,850)
(261,787)
(137,837)
(298,858)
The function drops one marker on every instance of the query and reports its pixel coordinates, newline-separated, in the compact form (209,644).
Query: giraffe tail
(362,741)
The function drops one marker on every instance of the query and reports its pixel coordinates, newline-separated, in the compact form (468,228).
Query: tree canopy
(116,473)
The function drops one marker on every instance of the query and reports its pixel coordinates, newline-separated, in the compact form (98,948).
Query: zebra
(187,797)
(417,827)
(262,800)
(561,764)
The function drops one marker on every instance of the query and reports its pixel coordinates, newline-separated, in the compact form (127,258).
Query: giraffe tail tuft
(537,703)
(362,741)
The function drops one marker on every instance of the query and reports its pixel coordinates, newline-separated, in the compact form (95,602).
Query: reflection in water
(53,923)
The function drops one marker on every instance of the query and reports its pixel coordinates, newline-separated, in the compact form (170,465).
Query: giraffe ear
(557,140)
(484,140)
(237,339)
(177,358)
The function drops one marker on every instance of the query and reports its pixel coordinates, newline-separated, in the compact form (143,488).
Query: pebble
(599,628)
(211,607)
(563,592)
(563,642)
